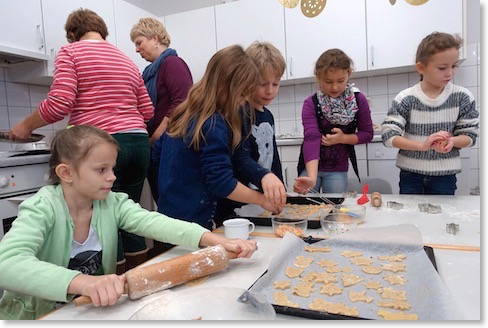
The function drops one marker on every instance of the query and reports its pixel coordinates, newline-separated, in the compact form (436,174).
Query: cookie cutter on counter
(350,194)
(452,228)
(394,205)
(430,208)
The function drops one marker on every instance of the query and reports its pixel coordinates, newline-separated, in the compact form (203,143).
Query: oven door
(10,207)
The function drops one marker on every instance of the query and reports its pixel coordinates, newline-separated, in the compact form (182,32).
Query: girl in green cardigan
(63,242)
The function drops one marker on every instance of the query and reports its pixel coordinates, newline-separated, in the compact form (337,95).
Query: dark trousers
(414,183)
(131,171)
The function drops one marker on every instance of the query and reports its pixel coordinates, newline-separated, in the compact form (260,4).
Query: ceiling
(168,7)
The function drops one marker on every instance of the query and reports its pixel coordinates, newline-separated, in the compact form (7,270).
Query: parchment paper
(426,293)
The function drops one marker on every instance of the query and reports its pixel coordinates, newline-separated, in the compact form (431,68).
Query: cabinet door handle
(371,54)
(291,66)
(41,36)
(286,176)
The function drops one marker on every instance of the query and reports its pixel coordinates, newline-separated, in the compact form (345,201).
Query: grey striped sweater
(415,116)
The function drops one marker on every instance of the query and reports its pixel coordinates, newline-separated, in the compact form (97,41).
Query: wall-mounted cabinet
(395,31)
(245,21)
(119,16)
(54,15)
(194,46)
(342,24)
(21,25)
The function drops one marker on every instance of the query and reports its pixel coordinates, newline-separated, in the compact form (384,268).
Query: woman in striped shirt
(97,84)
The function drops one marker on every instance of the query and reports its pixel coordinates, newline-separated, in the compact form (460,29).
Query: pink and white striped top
(97,84)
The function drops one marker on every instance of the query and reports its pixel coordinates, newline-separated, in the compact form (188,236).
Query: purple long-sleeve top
(312,135)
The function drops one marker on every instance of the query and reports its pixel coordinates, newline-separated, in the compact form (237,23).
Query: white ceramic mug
(238,228)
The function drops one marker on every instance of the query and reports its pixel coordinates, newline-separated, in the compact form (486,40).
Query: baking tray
(321,315)
(295,200)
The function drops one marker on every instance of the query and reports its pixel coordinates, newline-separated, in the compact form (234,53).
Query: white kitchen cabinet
(395,31)
(54,14)
(381,164)
(342,24)
(289,161)
(195,45)
(245,21)
(21,26)
(126,15)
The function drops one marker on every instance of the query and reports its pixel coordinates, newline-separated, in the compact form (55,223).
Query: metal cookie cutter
(452,228)
(394,205)
(429,208)
(350,194)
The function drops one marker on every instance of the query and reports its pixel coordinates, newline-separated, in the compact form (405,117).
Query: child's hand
(274,189)
(438,136)
(243,248)
(333,138)
(103,290)
(303,184)
(443,146)
(269,205)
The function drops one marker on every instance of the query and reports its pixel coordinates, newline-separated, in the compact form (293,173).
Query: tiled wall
(17,101)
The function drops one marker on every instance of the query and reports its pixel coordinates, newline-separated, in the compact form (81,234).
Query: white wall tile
(2,74)
(377,85)
(303,91)
(361,84)
(17,114)
(3,94)
(286,94)
(4,125)
(287,111)
(413,78)
(397,83)
(466,76)
(379,104)
(17,95)
(472,55)
(37,94)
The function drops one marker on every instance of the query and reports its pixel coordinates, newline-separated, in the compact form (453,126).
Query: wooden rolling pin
(376,199)
(145,280)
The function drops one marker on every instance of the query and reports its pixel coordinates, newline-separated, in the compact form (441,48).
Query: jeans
(414,183)
(330,182)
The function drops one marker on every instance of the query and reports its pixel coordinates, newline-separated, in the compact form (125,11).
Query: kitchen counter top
(457,256)
(289,141)
(297,140)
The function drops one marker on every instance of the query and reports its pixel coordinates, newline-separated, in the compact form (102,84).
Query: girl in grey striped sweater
(431,121)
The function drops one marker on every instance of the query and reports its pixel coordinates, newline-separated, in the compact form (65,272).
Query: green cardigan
(35,253)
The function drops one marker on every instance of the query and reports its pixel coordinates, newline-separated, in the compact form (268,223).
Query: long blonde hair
(230,77)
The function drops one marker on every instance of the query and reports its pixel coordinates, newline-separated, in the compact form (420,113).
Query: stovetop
(18,158)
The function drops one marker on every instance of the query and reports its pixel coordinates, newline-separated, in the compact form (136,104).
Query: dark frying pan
(4,137)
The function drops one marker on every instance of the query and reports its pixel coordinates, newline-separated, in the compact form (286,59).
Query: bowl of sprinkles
(281,226)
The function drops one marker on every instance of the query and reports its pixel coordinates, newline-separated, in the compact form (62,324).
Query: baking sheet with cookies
(398,282)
